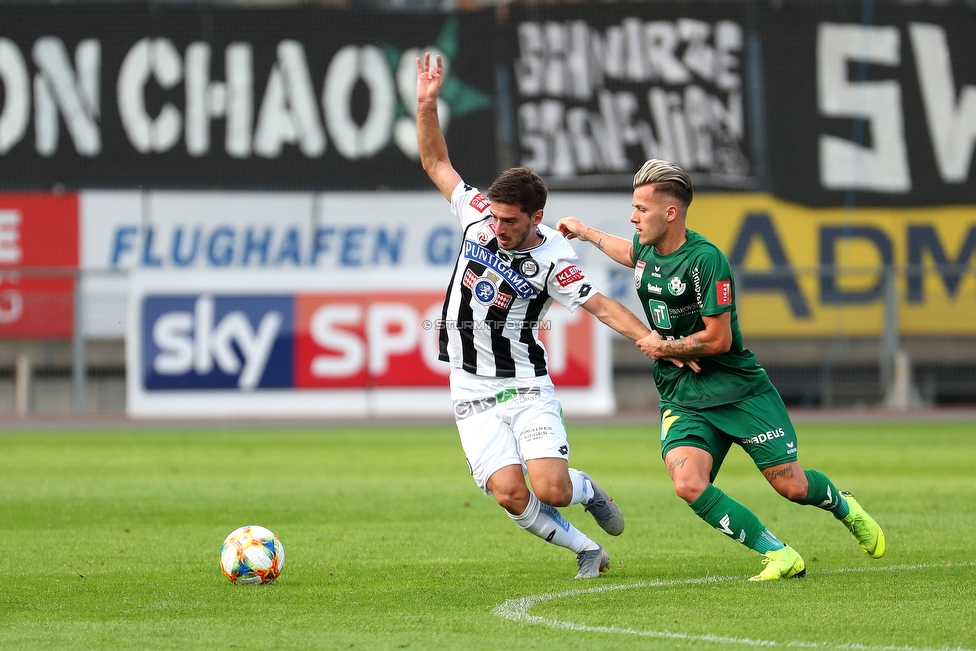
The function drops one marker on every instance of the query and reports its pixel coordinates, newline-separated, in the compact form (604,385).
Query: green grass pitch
(111,541)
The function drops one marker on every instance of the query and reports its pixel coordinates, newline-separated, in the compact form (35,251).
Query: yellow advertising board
(820,271)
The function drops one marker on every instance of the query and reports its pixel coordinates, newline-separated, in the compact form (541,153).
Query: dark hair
(520,187)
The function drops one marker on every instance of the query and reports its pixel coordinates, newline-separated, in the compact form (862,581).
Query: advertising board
(344,344)
(38,260)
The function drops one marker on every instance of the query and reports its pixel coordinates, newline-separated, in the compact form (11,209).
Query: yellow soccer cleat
(783,563)
(863,527)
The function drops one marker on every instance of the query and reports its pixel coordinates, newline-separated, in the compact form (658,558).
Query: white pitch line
(517,610)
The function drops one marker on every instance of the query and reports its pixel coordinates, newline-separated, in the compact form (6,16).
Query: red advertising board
(38,253)
(389,340)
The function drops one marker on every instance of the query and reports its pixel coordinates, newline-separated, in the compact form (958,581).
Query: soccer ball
(252,555)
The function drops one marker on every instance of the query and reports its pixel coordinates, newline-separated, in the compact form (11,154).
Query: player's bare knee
(513,498)
(689,489)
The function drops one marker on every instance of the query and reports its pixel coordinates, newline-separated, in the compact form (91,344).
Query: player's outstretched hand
(569,227)
(429,78)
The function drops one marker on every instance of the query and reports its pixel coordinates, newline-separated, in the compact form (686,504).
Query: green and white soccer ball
(252,555)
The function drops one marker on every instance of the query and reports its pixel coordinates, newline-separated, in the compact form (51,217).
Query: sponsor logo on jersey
(569,275)
(657,272)
(485,290)
(480,203)
(659,314)
(486,234)
(638,272)
(723,292)
(528,267)
(584,290)
(503,300)
(523,288)
(654,289)
(676,287)
(696,278)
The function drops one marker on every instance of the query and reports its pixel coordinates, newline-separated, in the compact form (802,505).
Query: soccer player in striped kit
(509,270)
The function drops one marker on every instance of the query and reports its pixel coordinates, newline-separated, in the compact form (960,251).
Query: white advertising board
(273,232)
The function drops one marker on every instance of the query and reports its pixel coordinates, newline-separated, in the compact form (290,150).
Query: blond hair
(667,178)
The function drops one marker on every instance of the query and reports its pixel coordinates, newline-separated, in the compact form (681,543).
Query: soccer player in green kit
(721,395)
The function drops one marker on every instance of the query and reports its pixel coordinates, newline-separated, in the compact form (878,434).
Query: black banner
(871,103)
(599,89)
(150,96)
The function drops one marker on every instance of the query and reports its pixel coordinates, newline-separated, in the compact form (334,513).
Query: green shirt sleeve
(715,290)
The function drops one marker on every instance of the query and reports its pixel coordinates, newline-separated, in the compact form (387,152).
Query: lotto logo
(569,275)
(723,292)
(479,202)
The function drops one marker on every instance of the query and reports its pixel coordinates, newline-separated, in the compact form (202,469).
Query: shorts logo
(466,408)
(676,287)
(723,292)
(638,272)
(766,436)
(569,275)
(479,202)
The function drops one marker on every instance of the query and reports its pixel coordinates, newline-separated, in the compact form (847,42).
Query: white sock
(582,488)
(546,522)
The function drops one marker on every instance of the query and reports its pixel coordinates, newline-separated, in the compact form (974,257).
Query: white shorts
(506,422)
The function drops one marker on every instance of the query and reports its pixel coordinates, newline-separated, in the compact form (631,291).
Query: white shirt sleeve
(469,205)
(567,283)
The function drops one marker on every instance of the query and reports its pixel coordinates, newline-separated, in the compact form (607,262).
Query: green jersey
(676,291)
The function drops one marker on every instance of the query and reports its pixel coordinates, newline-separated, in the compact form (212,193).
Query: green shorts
(760,425)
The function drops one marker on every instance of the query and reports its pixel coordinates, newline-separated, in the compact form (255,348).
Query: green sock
(824,495)
(735,520)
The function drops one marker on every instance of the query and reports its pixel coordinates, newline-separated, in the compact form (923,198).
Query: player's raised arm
(430,138)
(617,248)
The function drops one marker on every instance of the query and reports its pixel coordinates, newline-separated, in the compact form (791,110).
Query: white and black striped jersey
(497,299)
